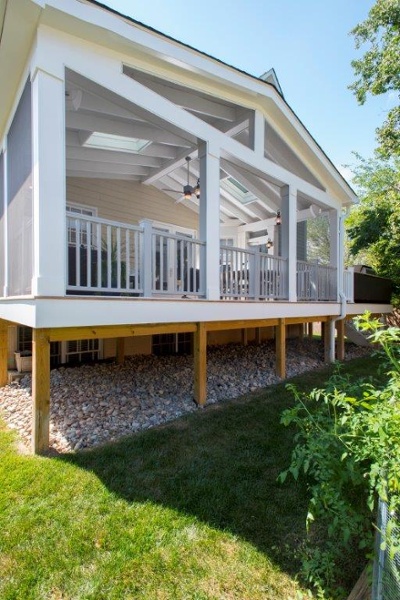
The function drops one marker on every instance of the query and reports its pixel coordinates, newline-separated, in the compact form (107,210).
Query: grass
(191,510)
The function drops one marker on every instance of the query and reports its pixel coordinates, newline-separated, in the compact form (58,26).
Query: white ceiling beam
(189,100)
(252,210)
(93,103)
(87,166)
(91,175)
(111,157)
(180,159)
(93,123)
(161,111)
(252,183)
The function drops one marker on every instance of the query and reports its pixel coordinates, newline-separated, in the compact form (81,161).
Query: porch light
(270,243)
(187,192)
(197,189)
(278,218)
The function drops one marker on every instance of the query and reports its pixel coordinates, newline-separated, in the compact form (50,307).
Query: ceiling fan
(188,191)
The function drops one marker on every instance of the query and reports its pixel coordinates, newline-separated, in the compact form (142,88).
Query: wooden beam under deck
(65,334)
(40,391)
(3,353)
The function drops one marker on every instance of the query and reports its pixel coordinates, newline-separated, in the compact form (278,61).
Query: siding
(129,201)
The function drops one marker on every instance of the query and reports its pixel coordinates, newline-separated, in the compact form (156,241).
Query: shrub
(348,451)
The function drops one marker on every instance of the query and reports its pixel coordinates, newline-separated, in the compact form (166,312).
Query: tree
(373,226)
(378,71)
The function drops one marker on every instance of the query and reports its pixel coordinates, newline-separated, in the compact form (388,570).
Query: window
(78,209)
(238,190)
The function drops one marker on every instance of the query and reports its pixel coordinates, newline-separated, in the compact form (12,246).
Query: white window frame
(78,209)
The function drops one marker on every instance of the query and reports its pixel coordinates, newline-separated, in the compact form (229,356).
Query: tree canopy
(378,70)
(373,226)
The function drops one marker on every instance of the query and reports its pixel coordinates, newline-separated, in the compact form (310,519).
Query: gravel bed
(93,404)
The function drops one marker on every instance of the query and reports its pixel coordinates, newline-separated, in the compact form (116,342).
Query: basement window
(117,143)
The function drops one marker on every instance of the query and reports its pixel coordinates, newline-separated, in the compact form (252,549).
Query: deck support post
(280,348)
(329,341)
(340,339)
(120,353)
(200,364)
(40,391)
(258,335)
(310,330)
(245,337)
(301,331)
(3,353)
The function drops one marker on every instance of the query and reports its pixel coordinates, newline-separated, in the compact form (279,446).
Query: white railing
(273,277)
(316,282)
(235,265)
(176,263)
(103,256)
(107,257)
(251,274)
(348,284)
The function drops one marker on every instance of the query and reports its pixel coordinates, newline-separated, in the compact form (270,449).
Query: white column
(289,237)
(5,223)
(49,220)
(257,132)
(209,218)
(335,247)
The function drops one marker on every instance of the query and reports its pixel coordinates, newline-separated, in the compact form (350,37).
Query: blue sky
(306,41)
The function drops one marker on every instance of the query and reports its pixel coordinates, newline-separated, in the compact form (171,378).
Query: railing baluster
(78,252)
(88,254)
(109,257)
(98,243)
(127,259)
(118,249)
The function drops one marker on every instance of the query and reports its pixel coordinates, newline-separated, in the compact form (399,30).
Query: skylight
(117,143)
(238,190)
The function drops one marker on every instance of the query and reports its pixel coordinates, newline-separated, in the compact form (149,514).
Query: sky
(308,44)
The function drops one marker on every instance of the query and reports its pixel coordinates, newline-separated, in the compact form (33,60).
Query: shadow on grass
(219,465)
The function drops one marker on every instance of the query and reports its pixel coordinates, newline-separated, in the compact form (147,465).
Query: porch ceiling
(128,144)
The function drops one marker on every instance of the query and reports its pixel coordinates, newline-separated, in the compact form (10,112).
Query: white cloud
(346,172)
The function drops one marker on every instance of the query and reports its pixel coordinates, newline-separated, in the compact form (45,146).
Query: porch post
(209,218)
(289,237)
(280,348)
(120,351)
(200,364)
(48,145)
(340,339)
(40,391)
(329,341)
(3,353)
(335,249)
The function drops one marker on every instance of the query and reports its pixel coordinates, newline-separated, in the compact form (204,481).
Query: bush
(348,450)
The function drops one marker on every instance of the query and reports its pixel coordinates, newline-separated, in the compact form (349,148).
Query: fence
(386,579)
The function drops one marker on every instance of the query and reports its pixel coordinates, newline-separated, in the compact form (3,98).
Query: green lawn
(191,510)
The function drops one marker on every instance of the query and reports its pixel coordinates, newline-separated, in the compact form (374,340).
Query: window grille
(73,233)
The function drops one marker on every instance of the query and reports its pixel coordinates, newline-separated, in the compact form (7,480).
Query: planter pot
(23,362)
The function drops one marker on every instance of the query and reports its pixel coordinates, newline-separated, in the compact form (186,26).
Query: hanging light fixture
(188,191)
(197,189)
(278,218)
(270,243)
